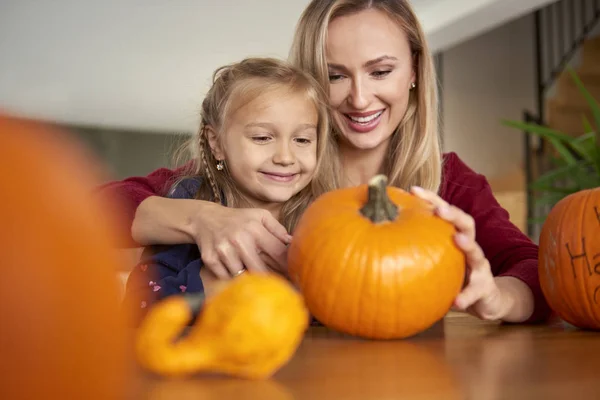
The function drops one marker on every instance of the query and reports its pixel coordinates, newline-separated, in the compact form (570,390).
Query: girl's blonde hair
(234,86)
(414,156)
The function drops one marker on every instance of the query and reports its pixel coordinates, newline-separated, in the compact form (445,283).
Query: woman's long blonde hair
(234,86)
(414,156)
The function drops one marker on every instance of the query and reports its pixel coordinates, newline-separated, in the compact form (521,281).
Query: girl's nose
(284,154)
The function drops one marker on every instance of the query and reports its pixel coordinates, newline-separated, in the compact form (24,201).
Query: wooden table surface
(459,358)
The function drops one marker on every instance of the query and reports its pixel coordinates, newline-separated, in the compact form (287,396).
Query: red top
(509,251)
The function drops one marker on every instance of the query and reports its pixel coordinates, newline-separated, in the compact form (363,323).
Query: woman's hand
(233,238)
(481,295)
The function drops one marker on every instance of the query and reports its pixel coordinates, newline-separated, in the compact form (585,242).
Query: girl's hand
(481,295)
(233,238)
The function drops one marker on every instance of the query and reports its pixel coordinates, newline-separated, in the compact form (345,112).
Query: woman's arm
(512,256)
(129,194)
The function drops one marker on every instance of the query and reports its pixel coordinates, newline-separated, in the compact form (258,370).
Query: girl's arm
(230,239)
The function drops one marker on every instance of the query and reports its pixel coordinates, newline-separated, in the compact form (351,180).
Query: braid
(209,175)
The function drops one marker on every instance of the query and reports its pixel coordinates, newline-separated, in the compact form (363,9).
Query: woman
(372,57)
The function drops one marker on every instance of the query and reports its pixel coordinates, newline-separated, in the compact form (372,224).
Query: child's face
(270,146)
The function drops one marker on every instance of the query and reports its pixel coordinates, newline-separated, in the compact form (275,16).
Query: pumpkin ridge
(569,303)
(312,273)
(342,274)
(361,285)
(330,301)
(584,283)
(321,244)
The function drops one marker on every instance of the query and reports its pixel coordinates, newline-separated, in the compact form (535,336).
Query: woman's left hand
(480,295)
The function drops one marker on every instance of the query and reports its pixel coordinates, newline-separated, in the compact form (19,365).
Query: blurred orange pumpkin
(62,334)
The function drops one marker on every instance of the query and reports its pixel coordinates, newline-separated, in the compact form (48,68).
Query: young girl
(372,58)
(261,144)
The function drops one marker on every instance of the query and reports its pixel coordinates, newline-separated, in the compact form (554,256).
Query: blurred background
(127,77)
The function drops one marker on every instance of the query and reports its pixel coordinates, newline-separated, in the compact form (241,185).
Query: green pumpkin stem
(379,207)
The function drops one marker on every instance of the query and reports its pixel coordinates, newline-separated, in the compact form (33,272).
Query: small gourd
(569,259)
(250,328)
(375,261)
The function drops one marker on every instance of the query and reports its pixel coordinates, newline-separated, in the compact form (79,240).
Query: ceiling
(145,64)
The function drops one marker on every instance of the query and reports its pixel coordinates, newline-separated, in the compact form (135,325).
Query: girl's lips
(363,122)
(277,177)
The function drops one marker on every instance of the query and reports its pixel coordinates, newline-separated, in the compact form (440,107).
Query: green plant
(577,166)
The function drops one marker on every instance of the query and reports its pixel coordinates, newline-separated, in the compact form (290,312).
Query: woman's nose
(358,97)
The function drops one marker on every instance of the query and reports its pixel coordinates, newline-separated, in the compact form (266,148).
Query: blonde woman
(372,58)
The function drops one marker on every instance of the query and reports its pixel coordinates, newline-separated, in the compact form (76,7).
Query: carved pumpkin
(569,259)
(62,334)
(375,263)
(249,328)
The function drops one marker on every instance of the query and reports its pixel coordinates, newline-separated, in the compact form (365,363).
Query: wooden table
(459,358)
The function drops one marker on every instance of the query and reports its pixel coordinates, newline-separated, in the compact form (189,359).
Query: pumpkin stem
(379,207)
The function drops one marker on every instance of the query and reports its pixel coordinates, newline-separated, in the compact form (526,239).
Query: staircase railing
(560,29)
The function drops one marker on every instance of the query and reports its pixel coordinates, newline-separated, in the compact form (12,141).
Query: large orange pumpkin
(62,335)
(569,259)
(375,261)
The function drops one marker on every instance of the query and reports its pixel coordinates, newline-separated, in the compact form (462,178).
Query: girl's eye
(303,141)
(261,139)
(335,77)
(381,74)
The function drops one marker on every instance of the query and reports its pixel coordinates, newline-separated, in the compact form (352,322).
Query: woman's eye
(335,77)
(381,74)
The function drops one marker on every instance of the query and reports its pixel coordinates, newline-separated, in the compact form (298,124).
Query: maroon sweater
(509,251)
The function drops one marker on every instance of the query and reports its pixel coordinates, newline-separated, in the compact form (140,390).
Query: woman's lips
(363,122)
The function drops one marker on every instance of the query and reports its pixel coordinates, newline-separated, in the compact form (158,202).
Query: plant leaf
(592,102)
(551,177)
(539,130)
(553,189)
(587,127)
(549,199)
(559,140)
(537,221)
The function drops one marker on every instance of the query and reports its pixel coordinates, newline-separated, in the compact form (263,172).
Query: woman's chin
(364,141)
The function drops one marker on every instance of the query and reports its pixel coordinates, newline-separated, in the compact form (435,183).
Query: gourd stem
(195,301)
(379,208)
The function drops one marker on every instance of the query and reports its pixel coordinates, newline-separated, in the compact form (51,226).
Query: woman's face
(370,72)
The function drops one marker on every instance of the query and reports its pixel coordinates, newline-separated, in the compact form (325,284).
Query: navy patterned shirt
(166,270)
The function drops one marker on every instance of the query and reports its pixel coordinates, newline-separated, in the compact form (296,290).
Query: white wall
(145,64)
(486,79)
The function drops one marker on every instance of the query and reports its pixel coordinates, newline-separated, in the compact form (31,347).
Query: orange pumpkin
(569,259)
(249,328)
(62,335)
(375,261)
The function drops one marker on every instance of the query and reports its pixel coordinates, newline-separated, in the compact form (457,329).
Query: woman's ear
(214,143)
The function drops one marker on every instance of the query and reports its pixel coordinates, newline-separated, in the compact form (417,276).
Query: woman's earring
(220,165)
(413,85)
